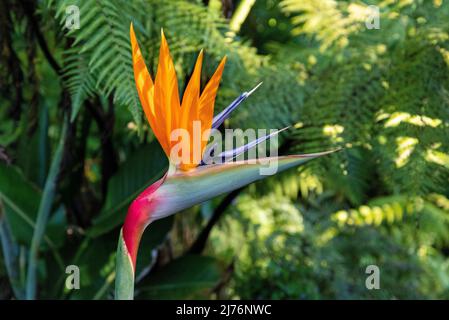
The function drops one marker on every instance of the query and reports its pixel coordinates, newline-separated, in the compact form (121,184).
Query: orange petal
(144,84)
(190,111)
(190,105)
(166,94)
(207,99)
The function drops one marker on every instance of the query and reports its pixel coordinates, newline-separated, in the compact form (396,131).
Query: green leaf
(139,171)
(21,202)
(33,149)
(11,253)
(183,278)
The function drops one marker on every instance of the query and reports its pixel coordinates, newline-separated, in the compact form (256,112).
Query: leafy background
(75,147)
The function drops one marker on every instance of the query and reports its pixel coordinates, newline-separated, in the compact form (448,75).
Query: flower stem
(43,215)
(124,278)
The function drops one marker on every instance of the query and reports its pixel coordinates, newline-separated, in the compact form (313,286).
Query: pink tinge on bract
(138,217)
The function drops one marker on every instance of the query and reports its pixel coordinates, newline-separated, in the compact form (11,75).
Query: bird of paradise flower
(190,182)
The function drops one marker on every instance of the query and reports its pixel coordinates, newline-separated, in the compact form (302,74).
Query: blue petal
(222,116)
(228,155)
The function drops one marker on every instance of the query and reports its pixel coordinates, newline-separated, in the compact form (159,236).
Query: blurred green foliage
(381,94)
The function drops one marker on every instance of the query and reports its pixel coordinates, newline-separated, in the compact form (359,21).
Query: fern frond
(78,79)
(103,38)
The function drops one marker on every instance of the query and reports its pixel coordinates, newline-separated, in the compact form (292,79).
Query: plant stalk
(43,216)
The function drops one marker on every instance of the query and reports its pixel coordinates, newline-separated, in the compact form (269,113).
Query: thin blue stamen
(228,155)
(222,116)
